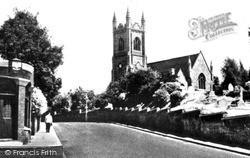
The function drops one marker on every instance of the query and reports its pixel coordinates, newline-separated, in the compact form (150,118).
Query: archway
(202,81)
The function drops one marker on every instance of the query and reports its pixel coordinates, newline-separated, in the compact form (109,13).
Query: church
(129,55)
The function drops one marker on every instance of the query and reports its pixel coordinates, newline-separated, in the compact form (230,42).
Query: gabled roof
(176,63)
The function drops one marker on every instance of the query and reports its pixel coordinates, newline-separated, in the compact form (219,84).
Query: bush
(171,87)
(233,94)
(218,90)
(246,95)
(161,95)
(175,98)
(39,101)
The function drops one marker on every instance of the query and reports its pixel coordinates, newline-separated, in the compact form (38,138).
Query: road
(99,140)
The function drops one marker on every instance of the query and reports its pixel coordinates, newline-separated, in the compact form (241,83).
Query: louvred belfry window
(121,44)
(137,44)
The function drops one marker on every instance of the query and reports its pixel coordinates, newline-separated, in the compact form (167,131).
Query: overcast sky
(84,28)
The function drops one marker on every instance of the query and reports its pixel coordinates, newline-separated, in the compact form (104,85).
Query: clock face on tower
(120,65)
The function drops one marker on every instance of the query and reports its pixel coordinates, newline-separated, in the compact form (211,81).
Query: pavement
(190,140)
(42,145)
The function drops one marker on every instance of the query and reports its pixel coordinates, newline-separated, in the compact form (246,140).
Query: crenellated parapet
(128,24)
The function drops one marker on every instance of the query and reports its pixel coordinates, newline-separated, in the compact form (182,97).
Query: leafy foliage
(100,101)
(74,100)
(168,77)
(233,73)
(39,101)
(171,87)
(230,72)
(216,80)
(233,94)
(139,87)
(141,80)
(113,92)
(61,103)
(162,95)
(22,37)
(78,98)
(175,98)
(243,75)
(217,87)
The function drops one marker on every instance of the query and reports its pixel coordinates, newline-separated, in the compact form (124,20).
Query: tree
(230,72)
(243,75)
(139,87)
(38,100)
(22,37)
(141,80)
(78,98)
(91,96)
(167,76)
(61,103)
(216,86)
(113,93)
(161,96)
(216,81)
(100,101)
(175,98)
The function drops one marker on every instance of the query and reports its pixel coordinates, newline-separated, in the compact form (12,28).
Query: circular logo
(7,152)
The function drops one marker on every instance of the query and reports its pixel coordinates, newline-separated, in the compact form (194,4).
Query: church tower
(128,47)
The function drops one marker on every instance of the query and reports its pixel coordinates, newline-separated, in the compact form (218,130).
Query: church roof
(176,63)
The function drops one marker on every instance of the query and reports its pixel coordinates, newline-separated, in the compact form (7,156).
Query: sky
(84,29)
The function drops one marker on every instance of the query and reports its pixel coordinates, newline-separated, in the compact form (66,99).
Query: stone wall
(200,67)
(232,131)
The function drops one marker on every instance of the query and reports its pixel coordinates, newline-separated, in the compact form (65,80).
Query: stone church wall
(199,67)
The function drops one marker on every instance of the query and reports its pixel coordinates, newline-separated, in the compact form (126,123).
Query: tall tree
(243,75)
(61,103)
(81,97)
(168,76)
(78,98)
(100,101)
(22,37)
(138,87)
(230,72)
(113,93)
(141,80)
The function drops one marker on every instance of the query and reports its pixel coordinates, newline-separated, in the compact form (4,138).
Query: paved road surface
(99,140)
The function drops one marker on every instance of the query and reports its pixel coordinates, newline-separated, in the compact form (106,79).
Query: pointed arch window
(121,44)
(202,81)
(137,44)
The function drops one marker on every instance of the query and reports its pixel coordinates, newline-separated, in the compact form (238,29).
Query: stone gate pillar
(21,90)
